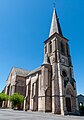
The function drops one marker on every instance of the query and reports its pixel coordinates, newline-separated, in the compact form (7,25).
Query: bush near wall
(16,100)
(81,110)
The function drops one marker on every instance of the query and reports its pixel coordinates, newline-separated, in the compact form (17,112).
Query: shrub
(16,99)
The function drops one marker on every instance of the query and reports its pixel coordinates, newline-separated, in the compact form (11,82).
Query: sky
(25,25)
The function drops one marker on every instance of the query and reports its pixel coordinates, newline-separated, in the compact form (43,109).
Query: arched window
(81,104)
(62,48)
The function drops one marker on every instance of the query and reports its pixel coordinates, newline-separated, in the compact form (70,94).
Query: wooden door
(68,104)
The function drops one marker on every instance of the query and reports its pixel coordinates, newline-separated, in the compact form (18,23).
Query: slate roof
(34,71)
(55,25)
(21,72)
(25,73)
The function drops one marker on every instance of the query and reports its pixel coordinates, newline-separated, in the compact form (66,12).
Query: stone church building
(51,87)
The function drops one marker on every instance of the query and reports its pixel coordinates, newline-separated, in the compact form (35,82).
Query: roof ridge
(21,68)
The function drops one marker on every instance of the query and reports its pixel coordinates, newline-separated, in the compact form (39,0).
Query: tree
(81,110)
(3,97)
(16,100)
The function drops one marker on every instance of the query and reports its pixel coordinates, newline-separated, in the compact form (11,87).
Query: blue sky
(25,24)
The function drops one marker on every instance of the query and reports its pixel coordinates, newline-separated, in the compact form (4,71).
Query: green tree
(16,100)
(81,110)
(3,97)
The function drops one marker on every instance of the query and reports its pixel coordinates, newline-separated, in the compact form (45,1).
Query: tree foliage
(16,99)
(81,110)
(3,97)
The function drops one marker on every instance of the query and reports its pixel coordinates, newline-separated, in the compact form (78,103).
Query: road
(8,114)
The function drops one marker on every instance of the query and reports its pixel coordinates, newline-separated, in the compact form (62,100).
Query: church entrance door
(68,104)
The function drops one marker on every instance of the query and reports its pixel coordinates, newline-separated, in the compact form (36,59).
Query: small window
(70,72)
(67,49)
(45,49)
(64,73)
(62,48)
(65,83)
(50,45)
(32,89)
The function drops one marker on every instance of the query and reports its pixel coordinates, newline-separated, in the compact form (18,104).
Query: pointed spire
(55,25)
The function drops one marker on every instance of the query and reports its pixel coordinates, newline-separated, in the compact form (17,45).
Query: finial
(54,5)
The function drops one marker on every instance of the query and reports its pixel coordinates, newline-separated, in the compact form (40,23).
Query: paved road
(8,114)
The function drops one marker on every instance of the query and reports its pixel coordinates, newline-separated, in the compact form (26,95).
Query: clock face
(63,60)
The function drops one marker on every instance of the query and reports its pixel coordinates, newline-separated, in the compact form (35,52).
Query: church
(50,87)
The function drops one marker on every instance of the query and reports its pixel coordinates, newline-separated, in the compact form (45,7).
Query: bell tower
(63,83)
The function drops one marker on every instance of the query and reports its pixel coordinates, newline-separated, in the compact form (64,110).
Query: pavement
(9,114)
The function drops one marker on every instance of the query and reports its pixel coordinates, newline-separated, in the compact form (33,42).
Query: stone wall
(20,86)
